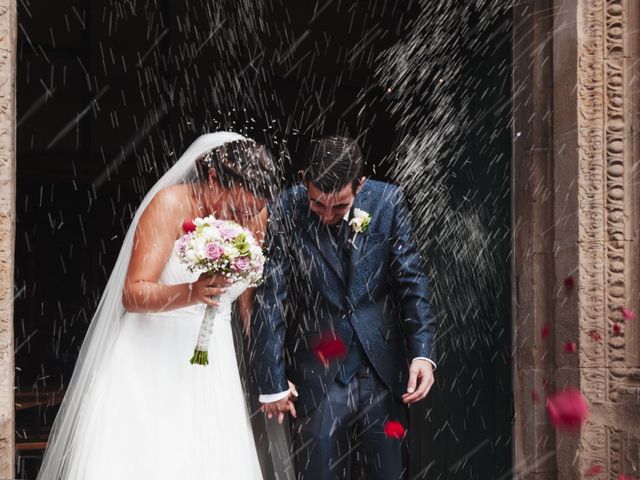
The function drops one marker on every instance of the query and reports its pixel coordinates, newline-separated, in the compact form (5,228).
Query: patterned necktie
(339,239)
(355,355)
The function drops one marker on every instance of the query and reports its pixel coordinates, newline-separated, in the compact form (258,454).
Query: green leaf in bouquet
(241,243)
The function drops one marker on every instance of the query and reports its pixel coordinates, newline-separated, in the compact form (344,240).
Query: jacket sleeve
(268,323)
(410,283)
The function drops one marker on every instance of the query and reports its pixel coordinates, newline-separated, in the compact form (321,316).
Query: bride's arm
(157,230)
(257,225)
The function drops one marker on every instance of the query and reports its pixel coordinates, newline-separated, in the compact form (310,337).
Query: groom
(344,314)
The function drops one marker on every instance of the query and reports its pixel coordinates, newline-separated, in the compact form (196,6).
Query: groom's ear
(361,183)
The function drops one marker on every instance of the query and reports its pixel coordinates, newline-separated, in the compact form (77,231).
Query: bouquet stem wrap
(218,247)
(201,352)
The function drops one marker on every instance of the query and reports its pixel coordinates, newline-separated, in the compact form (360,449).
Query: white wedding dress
(151,414)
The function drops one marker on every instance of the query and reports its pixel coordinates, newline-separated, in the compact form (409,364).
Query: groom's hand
(420,381)
(282,406)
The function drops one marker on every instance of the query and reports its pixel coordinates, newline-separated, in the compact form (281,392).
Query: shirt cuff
(273,397)
(428,360)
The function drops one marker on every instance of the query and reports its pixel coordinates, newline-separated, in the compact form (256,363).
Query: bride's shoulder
(174,194)
(172,198)
(169,204)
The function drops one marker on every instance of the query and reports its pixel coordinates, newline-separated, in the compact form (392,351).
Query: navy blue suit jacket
(305,294)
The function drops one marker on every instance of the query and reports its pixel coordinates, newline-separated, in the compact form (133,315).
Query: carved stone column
(576,202)
(7,231)
(533,194)
(609,208)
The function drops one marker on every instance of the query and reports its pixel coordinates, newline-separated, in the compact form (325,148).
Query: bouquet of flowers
(218,247)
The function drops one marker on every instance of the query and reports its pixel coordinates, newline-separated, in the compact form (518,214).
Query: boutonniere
(359,223)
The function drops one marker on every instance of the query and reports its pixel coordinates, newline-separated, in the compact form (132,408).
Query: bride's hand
(207,288)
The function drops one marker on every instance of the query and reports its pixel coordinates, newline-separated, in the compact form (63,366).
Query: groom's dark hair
(333,163)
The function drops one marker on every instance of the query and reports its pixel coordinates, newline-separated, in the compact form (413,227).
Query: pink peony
(567,409)
(241,264)
(213,251)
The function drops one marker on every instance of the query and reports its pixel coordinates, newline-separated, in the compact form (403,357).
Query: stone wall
(533,220)
(7,231)
(576,199)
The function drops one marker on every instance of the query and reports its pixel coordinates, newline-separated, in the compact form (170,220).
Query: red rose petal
(569,347)
(627,313)
(622,476)
(394,430)
(567,409)
(329,347)
(595,336)
(617,328)
(593,471)
(188,226)
(535,397)
(544,332)
(569,283)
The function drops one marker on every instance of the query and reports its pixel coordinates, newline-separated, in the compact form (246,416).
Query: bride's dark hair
(242,163)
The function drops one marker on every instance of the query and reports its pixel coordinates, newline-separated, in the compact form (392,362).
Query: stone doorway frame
(575,165)
(8,47)
(575,251)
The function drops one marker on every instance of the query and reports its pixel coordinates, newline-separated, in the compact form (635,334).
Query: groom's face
(331,207)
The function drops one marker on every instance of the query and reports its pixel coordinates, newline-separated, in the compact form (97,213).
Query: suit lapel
(358,244)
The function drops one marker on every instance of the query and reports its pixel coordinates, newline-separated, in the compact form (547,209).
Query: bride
(135,407)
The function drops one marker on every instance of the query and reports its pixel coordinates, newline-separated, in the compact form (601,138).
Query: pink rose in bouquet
(214,251)
(241,264)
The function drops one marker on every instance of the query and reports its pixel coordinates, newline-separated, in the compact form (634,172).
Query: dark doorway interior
(109,93)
